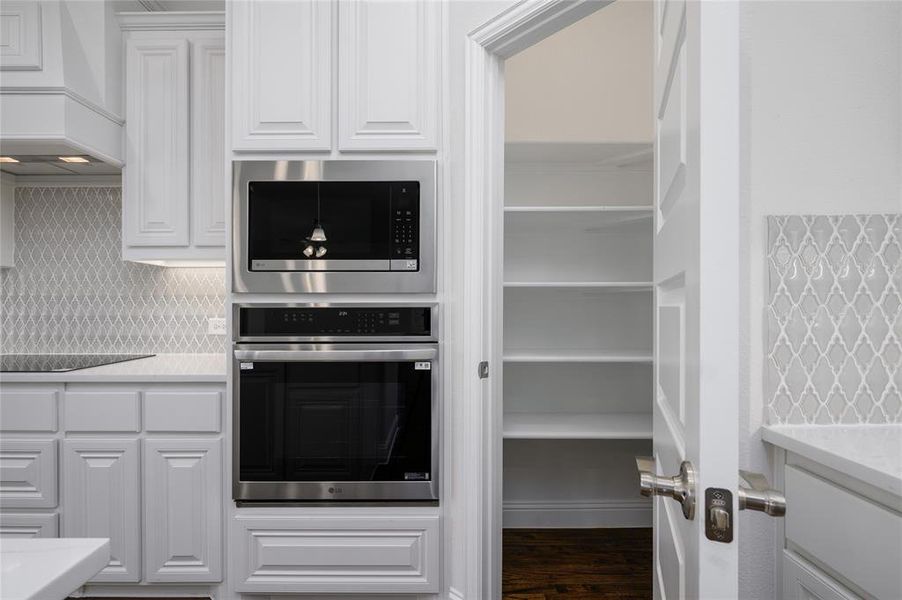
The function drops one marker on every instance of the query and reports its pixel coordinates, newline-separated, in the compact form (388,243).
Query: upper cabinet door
(208,193)
(281,55)
(389,60)
(156,171)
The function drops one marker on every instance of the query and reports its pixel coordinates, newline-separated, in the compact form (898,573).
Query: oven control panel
(334,321)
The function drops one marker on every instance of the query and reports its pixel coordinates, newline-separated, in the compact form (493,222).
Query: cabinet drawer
(28,473)
(803,581)
(854,537)
(28,410)
(188,410)
(102,411)
(29,525)
(339,555)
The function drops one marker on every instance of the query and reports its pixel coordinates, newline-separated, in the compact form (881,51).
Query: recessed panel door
(696,288)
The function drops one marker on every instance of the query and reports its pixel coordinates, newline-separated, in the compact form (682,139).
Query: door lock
(719,515)
(760,496)
(680,487)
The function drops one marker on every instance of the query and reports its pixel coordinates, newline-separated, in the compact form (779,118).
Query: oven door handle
(370,354)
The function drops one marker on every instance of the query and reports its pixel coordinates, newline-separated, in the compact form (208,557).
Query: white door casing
(696,276)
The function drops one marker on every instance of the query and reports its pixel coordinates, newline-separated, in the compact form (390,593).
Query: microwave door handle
(372,355)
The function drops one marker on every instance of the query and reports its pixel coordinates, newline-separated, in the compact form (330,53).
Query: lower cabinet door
(102,499)
(183,510)
(29,525)
(803,581)
(352,554)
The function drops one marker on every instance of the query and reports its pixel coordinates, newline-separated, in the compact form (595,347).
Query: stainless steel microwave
(334,226)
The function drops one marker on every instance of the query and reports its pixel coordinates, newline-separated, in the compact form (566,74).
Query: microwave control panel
(312,321)
(405,216)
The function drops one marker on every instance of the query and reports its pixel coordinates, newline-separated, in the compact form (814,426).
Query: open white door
(696,273)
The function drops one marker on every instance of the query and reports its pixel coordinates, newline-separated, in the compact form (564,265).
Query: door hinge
(484,369)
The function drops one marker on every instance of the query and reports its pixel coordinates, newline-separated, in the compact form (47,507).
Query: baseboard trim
(565,513)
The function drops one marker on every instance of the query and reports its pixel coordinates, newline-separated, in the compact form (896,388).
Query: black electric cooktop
(60,363)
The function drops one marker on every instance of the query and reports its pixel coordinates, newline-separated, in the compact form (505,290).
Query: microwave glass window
(357,220)
(335,421)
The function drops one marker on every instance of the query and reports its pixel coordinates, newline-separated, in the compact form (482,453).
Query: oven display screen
(335,321)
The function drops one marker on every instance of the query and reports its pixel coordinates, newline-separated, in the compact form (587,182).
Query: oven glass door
(347,423)
(330,225)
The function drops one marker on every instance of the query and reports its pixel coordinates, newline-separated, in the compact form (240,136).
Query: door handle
(679,487)
(760,496)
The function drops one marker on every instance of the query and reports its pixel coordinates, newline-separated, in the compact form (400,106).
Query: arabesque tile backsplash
(70,291)
(834,319)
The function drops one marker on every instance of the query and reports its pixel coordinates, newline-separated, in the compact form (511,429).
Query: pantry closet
(578,312)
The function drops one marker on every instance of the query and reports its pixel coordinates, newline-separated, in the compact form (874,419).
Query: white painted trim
(455,594)
(512,30)
(61,91)
(68,181)
(569,513)
(172,21)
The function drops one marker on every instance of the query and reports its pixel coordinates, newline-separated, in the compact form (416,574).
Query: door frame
(512,30)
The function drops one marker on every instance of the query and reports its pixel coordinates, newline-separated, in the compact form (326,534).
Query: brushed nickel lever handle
(679,487)
(760,496)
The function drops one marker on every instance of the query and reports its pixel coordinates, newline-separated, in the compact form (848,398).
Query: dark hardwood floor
(546,564)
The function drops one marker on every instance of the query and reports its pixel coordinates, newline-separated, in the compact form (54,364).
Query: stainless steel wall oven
(335,403)
(334,226)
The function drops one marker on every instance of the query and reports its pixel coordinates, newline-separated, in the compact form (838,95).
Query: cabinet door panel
(389,60)
(282,74)
(208,193)
(155,178)
(183,514)
(102,499)
(28,473)
(29,525)
(352,554)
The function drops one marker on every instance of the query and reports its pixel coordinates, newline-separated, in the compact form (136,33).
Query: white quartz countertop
(49,569)
(159,368)
(870,453)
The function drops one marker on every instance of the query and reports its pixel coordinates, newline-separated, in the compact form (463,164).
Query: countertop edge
(865,473)
(159,368)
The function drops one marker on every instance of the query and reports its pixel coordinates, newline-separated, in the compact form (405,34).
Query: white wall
(599,66)
(821,123)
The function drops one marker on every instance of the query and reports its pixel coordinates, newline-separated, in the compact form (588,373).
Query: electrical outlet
(216,326)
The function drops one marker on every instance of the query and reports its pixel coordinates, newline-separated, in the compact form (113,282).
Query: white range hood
(61,80)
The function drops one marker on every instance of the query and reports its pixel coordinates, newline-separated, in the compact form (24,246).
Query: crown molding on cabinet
(172,21)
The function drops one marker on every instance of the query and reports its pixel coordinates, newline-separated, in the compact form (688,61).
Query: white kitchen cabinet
(141,463)
(336,554)
(102,499)
(28,473)
(183,509)
(174,196)
(388,74)
(7,222)
(281,55)
(29,525)
(804,581)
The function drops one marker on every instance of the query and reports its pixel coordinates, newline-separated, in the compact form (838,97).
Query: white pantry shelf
(608,208)
(577,426)
(574,356)
(621,286)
